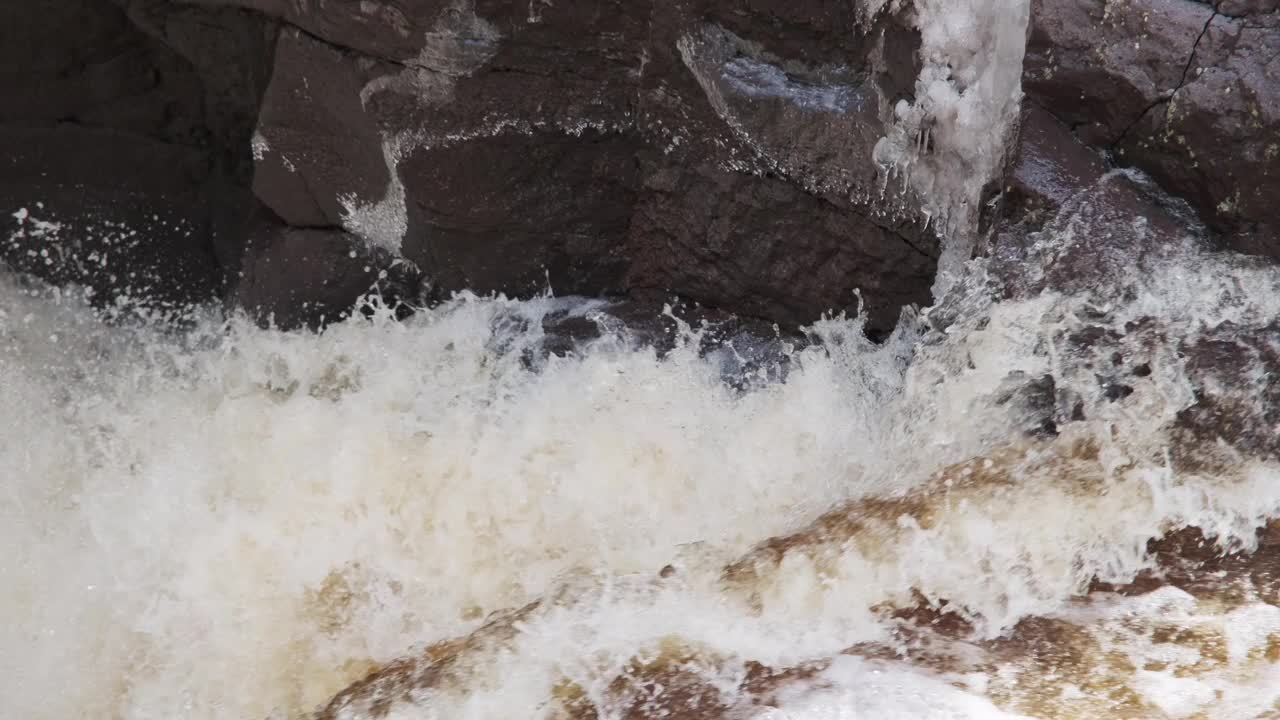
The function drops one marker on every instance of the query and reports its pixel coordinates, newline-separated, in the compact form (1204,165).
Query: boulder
(1188,92)
(723,155)
(1151,306)
(1095,239)
(336,270)
(1216,141)
(1237,396)
(119,152)
(728,154)
(135,235)
(1049,166)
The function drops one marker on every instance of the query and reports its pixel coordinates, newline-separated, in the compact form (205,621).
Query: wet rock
(119,166)
(118,213)
(1188,92)
(83,63)
(671,678)
(1215,141)
(645,321)
(1049,166)
(338,270)
(764,248)
(1120,224)
(1098,66)
(1095,247)
(1100,239)
(1034,401)
(681,148)
(1234,373)
(1247,8)
(720,153)
(1193,560)
(523,214)
(314,137)
(230,52)
(750,352)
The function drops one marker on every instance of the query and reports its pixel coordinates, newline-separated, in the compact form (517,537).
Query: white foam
(857,689)
(384,222)
(233,521)
(204,493)
(1184,673)
(258,146)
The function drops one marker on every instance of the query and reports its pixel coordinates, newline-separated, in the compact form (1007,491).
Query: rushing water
(231,522)
(1004,510)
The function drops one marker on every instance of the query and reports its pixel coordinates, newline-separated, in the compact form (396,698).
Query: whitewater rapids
(224,521)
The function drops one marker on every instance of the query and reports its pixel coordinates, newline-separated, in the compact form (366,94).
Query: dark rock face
(118,137)
(1098,245)
(1048,167)
(522,214)
(1089,244)
(1094,240)
(748,352)
(767,249)
(717,152)
(338,267)
(720,156)
(1237,394)
(138,235)
(1188,92)
(720,153)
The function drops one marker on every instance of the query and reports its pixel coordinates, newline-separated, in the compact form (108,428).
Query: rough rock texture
(1188,92)
(718,154)
(1048,167)
(1237,393)
(123,143)
(714,151)
(338,269)
(1097,245)
(1118,225)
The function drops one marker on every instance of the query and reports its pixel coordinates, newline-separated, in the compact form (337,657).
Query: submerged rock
(1025,667)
